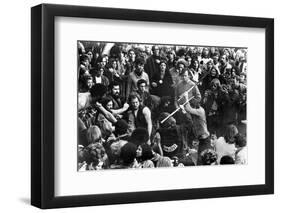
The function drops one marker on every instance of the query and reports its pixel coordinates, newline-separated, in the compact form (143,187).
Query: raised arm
(109,116)
(121,110)
(194,111)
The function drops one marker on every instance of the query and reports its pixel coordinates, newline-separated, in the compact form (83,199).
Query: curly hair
(94,153)
(208,156)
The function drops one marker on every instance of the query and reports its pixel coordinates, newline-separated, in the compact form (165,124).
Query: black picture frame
(43,105)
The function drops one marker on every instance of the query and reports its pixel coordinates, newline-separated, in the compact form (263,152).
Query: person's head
(87,82)
(163,66)
(214,72)
(128,153)
(240,141)
(165,101)
(212,50)
(169,123)
(208,157)
(180,67)
(115,50)
(181,52)
(195,64)
(144,152)
(134,100)
(216,58)
(242,77)
(185,75)
(242,59)
(139,136)
(98,91)
(226,52)
(90,55)
(223,59)
(215,84)
(94,134)
(142,84)
(188,60)
(95,156)
(131,55)
(205,53)
(171,55)
(121,127)
(181,64)
(139,65)
(103,60)
(112,64)
(226,160)
(231,132)
(235,82)
(156,50)
(147,49)
(115,89)
(107,103)
(83,70)
(84,59)
(209,64)
(100,70)
(80,153)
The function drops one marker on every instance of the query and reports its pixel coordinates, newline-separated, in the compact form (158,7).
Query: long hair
(93,134)
(230,132)
(147,153)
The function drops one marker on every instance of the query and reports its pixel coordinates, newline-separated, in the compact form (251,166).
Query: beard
(116,95)
(138,72)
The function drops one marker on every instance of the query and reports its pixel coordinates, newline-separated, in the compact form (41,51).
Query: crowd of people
(147,106)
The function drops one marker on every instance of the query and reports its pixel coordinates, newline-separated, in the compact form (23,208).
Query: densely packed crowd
(146,106)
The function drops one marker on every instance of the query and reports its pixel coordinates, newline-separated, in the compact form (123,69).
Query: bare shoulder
(146,110)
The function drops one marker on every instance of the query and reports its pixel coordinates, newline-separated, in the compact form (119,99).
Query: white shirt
(84,99)
(98,80)
(242,156)
(222,148)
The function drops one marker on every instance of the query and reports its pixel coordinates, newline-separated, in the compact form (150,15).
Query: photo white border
(70,182)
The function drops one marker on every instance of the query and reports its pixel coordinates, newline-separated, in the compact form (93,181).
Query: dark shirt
(164,86)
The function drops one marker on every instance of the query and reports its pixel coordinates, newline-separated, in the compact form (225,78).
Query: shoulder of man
(145,109)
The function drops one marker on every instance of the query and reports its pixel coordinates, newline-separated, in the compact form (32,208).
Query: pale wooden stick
(175,110)
(186,92)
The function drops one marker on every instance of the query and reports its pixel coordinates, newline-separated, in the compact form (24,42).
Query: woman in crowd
(144,155)
(161,82)
(195,70)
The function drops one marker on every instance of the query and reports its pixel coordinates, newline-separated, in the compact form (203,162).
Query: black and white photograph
(143,105)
